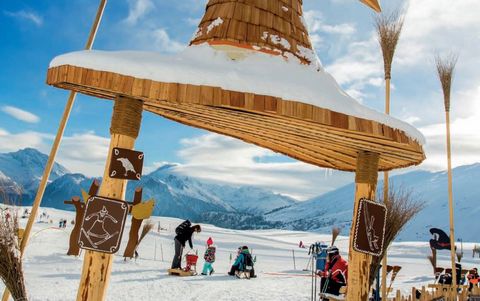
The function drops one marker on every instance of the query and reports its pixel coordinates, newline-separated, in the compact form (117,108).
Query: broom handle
(56,143)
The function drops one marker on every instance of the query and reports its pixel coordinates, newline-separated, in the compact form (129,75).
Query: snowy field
(52,275)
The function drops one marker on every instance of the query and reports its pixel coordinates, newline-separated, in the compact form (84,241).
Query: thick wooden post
(126,119)
(359,263)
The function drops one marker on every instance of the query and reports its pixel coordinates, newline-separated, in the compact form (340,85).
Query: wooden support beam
(124,130)
(359,263)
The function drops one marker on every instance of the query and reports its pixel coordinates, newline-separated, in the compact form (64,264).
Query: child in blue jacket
(243,259)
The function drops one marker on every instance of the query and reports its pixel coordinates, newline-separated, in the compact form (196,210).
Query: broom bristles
(389,28)
(402,206)
(147,227)
(445,69)
(335,232)
(11,271)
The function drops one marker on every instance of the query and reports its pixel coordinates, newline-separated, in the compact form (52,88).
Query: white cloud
(137,9)
(26,15)
(193,21)
(465,142)
(84,153)
(12,142)
(163,41)
(20,114)
(464,128)
(437,26)
(359,65)
(317,25)
(224,159)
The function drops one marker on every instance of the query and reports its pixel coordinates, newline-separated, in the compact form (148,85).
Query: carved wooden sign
(370,227)
(102,225)
(126,164)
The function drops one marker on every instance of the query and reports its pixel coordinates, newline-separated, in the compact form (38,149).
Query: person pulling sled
(184,233)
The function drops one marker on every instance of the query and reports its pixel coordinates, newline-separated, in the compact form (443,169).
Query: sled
(191,263)
(180,273)
(330,297)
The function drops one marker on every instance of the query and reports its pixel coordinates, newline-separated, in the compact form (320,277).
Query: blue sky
(33,32)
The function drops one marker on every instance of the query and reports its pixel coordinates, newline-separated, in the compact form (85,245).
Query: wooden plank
(180,273)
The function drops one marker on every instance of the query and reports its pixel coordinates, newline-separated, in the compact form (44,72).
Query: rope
(127,116)
(367,168)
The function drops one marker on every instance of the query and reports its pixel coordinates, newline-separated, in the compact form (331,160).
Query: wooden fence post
(125,125)
(359,263)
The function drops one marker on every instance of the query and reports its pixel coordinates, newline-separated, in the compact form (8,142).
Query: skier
(209,257)
(301,245)
(184,232)
(473,278)
(244,260)
(335,274)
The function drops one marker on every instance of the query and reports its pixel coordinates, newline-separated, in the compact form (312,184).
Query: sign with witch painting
(126,164)
(369,232)
(102,225)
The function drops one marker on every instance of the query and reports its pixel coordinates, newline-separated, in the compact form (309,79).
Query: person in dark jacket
(184,233)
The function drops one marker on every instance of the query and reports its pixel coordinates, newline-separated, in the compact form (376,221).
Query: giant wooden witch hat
(251,73)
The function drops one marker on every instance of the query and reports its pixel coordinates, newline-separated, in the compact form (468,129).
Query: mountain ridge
(249,207)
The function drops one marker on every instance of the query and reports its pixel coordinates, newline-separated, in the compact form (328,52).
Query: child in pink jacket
(209,257)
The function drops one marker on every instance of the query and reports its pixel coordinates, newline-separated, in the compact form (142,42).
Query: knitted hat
(209,241)
(332,250)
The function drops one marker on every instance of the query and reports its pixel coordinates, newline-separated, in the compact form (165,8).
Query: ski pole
(293,254)
(311,298)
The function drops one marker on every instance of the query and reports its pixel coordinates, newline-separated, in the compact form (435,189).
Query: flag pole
(56,144)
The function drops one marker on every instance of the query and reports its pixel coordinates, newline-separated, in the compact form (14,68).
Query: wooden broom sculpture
(335,232)
(145,230)
(11,271)
(445,68)
(389,28)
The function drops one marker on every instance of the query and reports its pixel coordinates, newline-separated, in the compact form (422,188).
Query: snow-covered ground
(52,275)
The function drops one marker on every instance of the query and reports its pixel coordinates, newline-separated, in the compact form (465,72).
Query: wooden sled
(180,273)
(330,297)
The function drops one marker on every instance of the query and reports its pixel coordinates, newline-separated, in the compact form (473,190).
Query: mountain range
(249,207)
